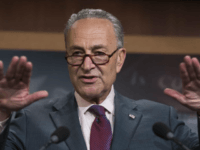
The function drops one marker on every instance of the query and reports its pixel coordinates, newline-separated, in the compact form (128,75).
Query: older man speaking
(98,117)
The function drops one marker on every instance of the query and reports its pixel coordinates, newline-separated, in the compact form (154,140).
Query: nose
(88,64)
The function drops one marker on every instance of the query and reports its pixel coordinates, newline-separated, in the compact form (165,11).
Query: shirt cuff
(3,124)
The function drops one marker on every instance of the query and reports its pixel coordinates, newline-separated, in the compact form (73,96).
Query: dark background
(143,76)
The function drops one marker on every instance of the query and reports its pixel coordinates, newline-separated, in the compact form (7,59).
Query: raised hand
(190,75)
(14,87)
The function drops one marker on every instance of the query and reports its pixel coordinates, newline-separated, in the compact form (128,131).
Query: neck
(97,99)
(84,100)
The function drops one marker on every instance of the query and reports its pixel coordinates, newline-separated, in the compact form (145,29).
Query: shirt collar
(108,103)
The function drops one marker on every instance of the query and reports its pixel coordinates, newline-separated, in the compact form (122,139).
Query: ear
(120,59)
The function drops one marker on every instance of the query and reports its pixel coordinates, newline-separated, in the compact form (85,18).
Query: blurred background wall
(157,36)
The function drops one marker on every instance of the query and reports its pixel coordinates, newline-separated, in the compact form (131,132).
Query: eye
(99,53)
(77,53)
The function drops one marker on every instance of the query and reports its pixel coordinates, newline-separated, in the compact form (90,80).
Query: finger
(193,105)
(36,96)
(184,74)
(175,95)
(27,73)
(20,68)
(189,66)
(1,70)
(17,105)
(12,68)
(196,67)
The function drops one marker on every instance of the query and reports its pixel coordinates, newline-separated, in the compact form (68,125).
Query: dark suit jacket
(31,127)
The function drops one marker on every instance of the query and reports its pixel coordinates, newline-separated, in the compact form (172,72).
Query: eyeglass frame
(90,55)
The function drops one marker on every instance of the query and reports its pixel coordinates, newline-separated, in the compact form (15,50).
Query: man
(95,54)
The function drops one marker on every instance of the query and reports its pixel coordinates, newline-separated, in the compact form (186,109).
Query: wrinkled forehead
(95,24)
(91,28)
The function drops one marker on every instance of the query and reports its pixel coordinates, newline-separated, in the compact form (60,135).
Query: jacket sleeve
(182,132)
(3,135)
(12,137)
(198,122)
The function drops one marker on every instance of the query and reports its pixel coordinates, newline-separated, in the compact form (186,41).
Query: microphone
(59,135)
(161,130)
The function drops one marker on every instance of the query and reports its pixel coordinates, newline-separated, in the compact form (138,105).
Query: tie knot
(97,110)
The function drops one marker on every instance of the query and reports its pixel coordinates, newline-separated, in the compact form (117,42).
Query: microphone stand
(45,146)
(180,144)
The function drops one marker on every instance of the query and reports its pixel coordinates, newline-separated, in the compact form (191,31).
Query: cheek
(73,72)
(109,74)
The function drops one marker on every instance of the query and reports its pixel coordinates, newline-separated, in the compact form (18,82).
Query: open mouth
(88,79)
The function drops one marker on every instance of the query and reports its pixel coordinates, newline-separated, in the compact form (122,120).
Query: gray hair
(97,13)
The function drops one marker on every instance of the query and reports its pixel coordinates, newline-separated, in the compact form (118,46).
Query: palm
(190,75)
(14,86)
(192,90)
(13,94)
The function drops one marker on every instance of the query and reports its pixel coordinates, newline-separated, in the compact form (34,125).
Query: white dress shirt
(86,118)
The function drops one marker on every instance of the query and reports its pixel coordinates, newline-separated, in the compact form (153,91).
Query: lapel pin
(131,116)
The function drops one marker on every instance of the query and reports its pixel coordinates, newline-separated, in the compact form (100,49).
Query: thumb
(36,96)
(175,95)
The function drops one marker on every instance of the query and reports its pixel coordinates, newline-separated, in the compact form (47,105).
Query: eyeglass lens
(97,59)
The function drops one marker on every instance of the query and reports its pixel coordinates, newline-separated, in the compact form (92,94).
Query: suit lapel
(127,119)
(66,114)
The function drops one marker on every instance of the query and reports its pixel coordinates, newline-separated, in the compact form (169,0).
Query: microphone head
(161,130)
(61,134)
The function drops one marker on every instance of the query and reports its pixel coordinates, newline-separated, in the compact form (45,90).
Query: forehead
(91,30)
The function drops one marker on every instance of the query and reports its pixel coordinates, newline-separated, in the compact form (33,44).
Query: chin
(91,92)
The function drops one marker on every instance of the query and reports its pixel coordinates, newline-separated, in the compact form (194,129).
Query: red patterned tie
(101,134)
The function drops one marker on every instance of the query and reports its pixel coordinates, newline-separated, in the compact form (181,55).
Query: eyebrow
(98,47)
(92,48)
(76,47)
